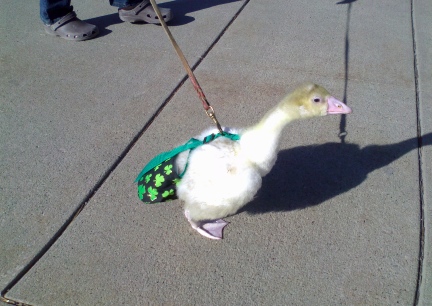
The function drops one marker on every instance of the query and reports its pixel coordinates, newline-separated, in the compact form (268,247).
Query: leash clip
(211,113)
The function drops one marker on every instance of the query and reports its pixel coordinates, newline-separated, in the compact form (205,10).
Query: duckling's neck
(260,142)
(277,118)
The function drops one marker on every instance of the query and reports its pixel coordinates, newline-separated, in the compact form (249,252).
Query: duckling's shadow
(309,175)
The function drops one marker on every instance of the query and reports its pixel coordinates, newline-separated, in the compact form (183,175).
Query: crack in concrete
(420,164)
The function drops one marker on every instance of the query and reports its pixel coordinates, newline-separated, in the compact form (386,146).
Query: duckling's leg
(211,229)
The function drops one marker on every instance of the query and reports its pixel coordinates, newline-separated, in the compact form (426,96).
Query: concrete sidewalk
(340,220)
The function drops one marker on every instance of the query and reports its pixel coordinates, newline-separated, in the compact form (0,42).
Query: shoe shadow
(181,8)
(346,2)
(102,22)
(310,175)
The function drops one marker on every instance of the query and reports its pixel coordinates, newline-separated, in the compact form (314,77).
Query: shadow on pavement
(102,22)
(180,9)
(309,175)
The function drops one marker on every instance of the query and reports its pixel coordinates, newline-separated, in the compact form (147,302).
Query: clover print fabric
(158,184)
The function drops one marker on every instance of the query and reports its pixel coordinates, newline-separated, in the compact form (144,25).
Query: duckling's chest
(220,159)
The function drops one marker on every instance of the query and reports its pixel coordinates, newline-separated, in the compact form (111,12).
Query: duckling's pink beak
(337,107)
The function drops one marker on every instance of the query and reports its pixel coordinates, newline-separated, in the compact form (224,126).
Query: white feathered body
(224,175)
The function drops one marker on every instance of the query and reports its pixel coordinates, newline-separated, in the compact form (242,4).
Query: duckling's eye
(317,100)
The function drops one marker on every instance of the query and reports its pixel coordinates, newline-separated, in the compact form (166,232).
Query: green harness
(158,179)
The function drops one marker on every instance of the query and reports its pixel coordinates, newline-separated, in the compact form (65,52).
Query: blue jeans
(53,10)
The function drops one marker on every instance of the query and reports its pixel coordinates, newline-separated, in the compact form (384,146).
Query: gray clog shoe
(72,28)
(144,12)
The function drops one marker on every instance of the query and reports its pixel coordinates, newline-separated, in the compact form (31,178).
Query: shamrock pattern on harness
(159,179)
(158,185)
(167,169)
(168,193)
(148,177)
(152,193)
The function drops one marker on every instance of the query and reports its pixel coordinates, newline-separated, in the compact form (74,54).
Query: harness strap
(190,145)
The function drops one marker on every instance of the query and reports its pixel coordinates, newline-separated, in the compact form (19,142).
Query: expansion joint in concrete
(420,162)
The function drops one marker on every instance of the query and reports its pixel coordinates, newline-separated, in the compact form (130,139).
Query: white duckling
(224,175)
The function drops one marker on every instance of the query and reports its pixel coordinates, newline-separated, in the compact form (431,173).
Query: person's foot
(70,27)
(144,12)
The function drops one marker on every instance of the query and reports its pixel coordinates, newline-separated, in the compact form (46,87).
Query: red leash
(207,107)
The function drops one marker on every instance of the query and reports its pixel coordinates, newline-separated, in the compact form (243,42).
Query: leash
(207,107)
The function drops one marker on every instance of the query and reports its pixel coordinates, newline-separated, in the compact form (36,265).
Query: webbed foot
(212,229)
